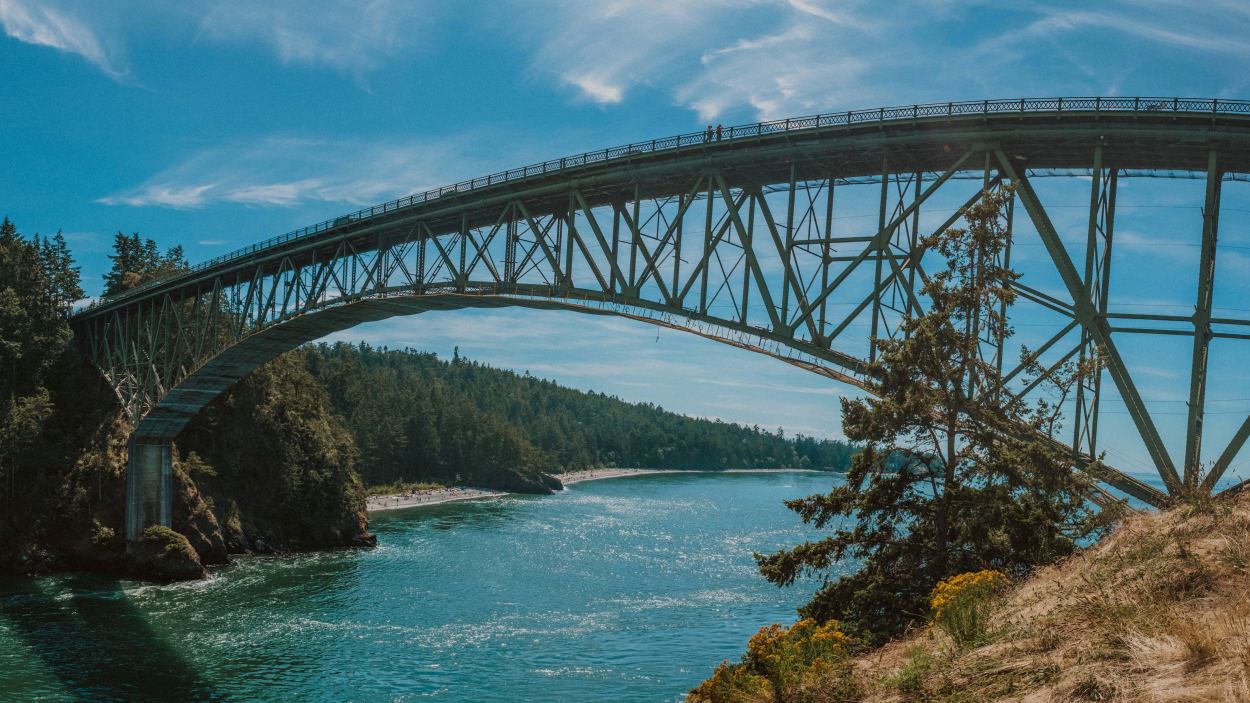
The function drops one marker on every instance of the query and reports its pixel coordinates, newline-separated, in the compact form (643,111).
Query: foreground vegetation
(1156,611)
(957,474)
(960,486)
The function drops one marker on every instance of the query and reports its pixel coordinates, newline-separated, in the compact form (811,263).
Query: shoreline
(434,496)
(438,496)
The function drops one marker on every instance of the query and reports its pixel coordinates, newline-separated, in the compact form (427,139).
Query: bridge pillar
(149,485)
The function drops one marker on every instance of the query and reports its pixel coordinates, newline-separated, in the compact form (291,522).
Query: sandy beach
(435,496)
(596,474)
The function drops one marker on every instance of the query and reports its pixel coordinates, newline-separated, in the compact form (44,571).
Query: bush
(163,539)
(803,662)
(732,683)
(960,604)
(910,678)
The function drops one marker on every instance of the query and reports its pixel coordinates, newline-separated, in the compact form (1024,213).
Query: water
(628,589)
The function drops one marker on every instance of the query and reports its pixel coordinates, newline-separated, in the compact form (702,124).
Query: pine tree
(137,261)
(64,279)
(956,474)
(33,334)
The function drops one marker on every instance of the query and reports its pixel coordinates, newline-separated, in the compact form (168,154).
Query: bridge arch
(738,239)
(180,404)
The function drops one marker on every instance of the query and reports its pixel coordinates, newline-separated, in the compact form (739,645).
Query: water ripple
(621,590)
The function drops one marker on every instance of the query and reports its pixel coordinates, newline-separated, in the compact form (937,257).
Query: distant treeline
(416,417)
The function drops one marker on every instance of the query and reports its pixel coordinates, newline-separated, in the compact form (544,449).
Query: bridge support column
(149,485)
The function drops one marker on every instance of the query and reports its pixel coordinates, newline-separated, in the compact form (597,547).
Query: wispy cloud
(354,37)
(344,35)
(623,357)
(1204,29)
(786,57)
(603,49)
(716,57)
(813,389)
(43,24)
(282,171)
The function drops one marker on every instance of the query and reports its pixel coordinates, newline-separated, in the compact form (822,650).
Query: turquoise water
(628,589)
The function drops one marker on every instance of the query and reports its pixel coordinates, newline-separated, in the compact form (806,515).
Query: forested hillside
(418,418)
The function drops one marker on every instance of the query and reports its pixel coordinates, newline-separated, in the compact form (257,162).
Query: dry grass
(1159,611)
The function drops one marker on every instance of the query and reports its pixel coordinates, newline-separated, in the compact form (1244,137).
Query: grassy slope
(1158,611)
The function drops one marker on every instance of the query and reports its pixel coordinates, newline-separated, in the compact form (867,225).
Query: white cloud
(355,37)
(624,357)
(604,48)
(768,57)
(344,35)
(597,88)
(43,24)
(1154,22)
(835,390)
(290,171)
(792,57)
(764,73)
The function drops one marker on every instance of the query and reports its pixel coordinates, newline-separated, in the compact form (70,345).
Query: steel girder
(741,242)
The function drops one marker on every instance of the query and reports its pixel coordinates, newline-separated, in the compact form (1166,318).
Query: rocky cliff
(267,469)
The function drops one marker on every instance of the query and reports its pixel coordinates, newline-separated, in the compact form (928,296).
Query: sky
(216,124)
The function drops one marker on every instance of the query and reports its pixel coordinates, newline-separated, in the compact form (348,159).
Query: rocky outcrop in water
(165,555)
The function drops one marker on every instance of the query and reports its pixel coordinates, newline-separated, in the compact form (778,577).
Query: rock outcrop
(165,555)
(194,519)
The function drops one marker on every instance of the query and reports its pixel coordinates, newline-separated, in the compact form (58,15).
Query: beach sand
(435,496)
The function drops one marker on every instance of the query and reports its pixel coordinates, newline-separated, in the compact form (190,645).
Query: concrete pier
(149,485)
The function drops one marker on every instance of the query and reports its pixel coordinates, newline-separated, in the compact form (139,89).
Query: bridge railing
(850,118)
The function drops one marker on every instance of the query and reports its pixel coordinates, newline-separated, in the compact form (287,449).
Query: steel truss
(742,243)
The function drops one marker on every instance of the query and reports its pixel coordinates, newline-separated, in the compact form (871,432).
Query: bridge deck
(1139,133)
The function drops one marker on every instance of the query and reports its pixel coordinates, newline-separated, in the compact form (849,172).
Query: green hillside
(418,418)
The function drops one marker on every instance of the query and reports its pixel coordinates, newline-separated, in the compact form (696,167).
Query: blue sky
(216,124)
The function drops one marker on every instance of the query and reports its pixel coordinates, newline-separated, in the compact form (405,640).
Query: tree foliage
(956,474)
(44,385)
(417,418)
(276,461)
(137,261)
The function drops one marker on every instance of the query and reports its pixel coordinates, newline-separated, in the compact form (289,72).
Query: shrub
(960,604)
(732,683)
(101,536)
(805,661)
(164,539)
(909,679)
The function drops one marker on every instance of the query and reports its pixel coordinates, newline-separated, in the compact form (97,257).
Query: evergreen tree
(63,276)
(137,261)
(35,279)
(956,474)
(416,418)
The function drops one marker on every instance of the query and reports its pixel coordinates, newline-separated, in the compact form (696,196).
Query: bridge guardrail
(849,118)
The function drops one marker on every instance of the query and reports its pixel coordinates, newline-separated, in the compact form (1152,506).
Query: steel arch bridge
(739,237)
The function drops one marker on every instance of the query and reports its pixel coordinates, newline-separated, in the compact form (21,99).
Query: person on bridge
(718,132)
(707,136)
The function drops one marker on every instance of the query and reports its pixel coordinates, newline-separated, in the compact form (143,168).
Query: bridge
(796,238)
